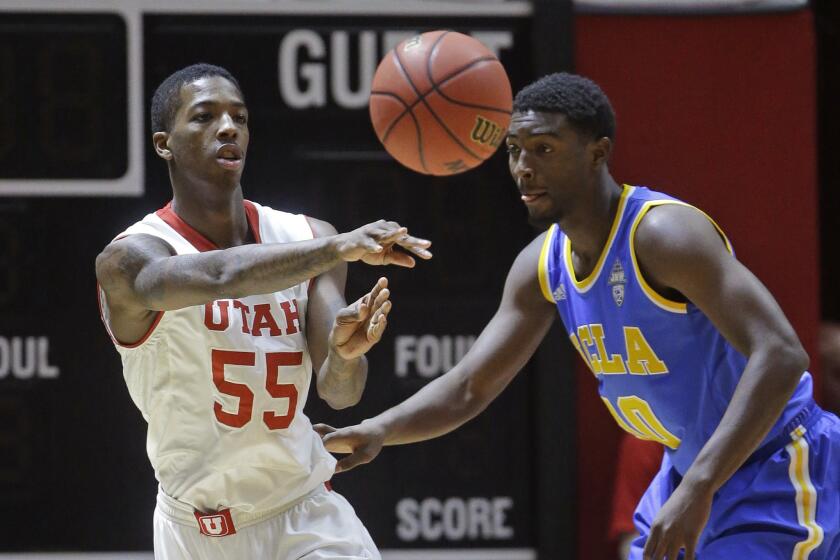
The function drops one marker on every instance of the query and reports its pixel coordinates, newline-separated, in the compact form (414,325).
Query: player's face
(209,136)
(549,161)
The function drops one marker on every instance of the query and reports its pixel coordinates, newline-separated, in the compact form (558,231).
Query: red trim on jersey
(168,215)
(253,217)
(311,280)
(196,239)
(100,293)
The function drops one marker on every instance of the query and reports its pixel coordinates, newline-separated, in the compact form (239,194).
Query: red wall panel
(718,111)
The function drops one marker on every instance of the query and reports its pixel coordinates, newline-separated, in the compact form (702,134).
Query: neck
(218,215)
(588,225)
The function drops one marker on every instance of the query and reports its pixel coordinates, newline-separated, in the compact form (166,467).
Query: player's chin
(222,168)
(540,219)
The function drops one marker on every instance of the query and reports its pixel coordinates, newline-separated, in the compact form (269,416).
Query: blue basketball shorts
(784,503)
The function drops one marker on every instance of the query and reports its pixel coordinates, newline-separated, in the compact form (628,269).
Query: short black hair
(167,98)
(586,107)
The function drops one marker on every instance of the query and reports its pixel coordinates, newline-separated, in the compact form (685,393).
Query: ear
(161,143)
(601,150)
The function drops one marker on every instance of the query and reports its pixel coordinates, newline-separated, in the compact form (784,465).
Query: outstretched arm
(339,335)
(679,250)
(502,349)
(141,274)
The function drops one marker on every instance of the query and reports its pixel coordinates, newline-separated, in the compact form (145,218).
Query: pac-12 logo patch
(218,524)
(617,280)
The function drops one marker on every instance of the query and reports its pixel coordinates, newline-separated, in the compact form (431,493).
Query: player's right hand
(376,244)
(363,442)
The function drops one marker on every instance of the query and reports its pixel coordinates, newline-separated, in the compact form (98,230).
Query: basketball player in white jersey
(220,308)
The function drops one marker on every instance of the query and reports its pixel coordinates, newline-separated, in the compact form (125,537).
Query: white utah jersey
(223,385)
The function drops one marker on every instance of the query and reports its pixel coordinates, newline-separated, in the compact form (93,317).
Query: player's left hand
(678,525)
(360,325)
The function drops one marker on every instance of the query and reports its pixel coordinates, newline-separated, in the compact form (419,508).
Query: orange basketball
(440,103)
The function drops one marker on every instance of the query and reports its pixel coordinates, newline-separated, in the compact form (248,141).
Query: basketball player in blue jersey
(689,349)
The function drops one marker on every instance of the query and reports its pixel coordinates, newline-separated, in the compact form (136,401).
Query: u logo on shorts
(217,524)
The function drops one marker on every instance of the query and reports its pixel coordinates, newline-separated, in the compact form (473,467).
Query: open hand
(363,442)
(360,325)
(377,243)
(678,525)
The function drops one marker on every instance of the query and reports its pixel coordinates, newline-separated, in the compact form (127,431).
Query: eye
(242,119)
(202,117)
(545,149)
(513,149)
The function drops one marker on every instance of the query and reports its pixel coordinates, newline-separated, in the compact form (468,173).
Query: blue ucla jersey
(664,371)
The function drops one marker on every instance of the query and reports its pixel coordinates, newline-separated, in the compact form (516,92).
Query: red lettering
(244,310)
(220,358)
(292,317)
(264,320)
(274,361)
(223,316)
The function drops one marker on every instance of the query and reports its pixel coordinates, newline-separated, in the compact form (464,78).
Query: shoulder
(124,257)
(320,228)
(530,254)
(280,225)
(526,268)
(676,229)
(676,244)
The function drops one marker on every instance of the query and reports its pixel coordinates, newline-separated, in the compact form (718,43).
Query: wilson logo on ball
(486,132)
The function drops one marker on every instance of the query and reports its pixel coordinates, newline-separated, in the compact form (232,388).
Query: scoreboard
(72,103)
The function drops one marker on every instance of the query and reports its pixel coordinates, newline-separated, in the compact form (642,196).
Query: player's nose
(522,170)
(227,127)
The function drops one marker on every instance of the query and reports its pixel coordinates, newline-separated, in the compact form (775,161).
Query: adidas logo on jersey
(559,293)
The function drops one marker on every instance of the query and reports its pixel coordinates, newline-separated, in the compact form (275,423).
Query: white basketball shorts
(323,525)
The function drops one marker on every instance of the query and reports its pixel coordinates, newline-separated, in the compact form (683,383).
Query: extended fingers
(354,313)
(371,297)
(338,441)
(379,295)
(359,457)
(323,429)
(391,232)
(398,258)
(387,232)
(382,310)
(416,245)
(380,307)
(377,324)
